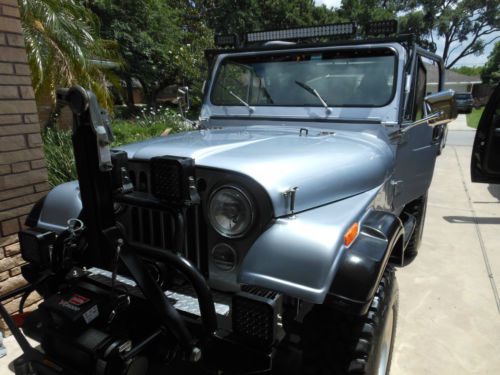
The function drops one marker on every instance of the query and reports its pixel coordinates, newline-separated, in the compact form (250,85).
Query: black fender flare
(363,263)
(53,211)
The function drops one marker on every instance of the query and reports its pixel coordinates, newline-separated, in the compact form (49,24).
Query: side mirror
(440,107)
(184,104)
(183,99)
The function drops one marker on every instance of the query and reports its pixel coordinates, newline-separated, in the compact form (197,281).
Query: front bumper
(225,349)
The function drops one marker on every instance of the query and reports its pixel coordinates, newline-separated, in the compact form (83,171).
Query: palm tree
(64,49)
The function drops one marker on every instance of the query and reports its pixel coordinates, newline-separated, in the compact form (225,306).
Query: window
(356,78)
(420,91)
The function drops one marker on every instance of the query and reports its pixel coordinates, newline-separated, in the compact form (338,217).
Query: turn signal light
(351,234)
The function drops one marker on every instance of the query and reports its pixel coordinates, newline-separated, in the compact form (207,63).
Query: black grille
(157,227)
(254,316)
(152,227)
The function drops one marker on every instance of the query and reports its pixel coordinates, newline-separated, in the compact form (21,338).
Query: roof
(451,77)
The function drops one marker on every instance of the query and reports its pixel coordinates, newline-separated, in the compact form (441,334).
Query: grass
(474,117)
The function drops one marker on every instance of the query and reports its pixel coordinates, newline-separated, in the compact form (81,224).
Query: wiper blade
(313,91)
(250,109)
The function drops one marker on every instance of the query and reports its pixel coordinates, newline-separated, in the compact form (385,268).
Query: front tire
(335,343)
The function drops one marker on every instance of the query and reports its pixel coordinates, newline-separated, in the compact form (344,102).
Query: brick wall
(23,175)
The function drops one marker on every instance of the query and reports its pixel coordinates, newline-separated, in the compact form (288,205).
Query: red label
(78,300)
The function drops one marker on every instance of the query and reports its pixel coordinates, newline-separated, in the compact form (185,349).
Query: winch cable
(153,293)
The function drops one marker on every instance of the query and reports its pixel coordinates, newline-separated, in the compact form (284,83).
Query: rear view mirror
(441,107)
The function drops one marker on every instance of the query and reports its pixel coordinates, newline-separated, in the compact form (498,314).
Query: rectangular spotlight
(230,40)
(385,27)
(172,179)
(338,29)
(36,245)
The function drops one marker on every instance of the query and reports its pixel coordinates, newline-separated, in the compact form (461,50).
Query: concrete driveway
(449,317)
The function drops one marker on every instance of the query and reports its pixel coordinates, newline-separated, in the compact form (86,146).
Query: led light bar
(230,40)
(338,29)
(386,27)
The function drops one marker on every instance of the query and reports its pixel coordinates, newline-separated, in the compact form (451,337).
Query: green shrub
(58,146)
(151,122)
(58,150)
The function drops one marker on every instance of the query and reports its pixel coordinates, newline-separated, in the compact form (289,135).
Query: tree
(411,20)
(157,38)
(242,16)
(63,48)
(491,71)
(463,24)
(416,22)
(197,37)
(469,70)
(364,11)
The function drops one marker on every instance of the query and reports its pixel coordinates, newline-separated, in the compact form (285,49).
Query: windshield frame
(291,51)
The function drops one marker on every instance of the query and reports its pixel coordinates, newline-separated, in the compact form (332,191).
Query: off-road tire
(418,209)
(335,343)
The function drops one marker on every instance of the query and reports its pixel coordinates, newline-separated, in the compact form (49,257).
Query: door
(417,149)
(485,160)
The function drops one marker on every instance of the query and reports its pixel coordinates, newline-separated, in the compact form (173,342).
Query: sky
(468,60)
(329,3)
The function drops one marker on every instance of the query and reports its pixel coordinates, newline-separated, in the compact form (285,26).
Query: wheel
(442,141)
(417,208)
(334,343)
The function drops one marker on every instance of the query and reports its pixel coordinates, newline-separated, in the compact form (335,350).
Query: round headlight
(230,211)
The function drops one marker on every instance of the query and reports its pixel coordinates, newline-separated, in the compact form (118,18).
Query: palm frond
(61,42)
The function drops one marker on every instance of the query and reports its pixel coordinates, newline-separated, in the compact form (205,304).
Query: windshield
(463,96)
(341,78)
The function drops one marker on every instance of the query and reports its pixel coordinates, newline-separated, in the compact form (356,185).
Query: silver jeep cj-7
(264,239)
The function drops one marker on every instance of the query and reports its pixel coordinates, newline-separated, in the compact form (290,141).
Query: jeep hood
(325,166)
